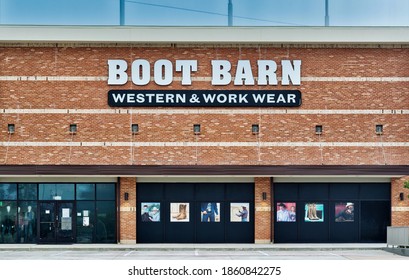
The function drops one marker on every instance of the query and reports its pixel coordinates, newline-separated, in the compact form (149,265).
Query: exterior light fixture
(264,195)
(73,128)
(11,128)
(135,128)
(379,129)
(318,129)
(401,196)
(255,129)
(196,129)
(126,196)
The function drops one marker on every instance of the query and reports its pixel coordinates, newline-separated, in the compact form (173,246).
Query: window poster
(85,221)
(179,212)
(286,212)
(210,212)
(239,212)
(150,211)
(344,212)
(314,212)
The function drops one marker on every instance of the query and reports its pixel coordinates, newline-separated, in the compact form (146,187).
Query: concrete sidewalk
(184,247)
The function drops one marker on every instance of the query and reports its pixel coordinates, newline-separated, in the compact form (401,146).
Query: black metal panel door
(344,227)
(313,224)
(240,201)
(351,212)
(178,209)
(197,213)
(209,213)
(375,217)
(149,230)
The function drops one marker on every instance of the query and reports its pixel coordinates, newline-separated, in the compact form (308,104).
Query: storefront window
(85,191)
(56,191)
(8,191)
(27,191)
(85,221)
(27,221)
(105,191)
(21,215)
(106,226)
(8,220)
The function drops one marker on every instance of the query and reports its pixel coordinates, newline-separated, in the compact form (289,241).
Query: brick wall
(263,219)
(127,210)
(43,90)
(400,208)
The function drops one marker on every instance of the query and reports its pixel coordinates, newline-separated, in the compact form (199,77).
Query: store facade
(242,135)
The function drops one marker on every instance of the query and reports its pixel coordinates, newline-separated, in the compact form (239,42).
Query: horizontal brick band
(215,170)
(205,144)
(400,209)
(183,111)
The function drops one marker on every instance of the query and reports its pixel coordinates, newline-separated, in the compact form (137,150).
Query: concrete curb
(192,247)
(398,251)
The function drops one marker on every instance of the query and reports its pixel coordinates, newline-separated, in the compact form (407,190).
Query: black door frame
(57,221)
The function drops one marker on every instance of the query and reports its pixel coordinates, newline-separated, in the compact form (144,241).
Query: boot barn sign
(163,75)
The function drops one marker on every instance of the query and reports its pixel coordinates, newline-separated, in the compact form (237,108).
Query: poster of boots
(314,212)
(179,212)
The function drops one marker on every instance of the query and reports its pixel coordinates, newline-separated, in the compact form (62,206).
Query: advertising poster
(210,212)
(344,212)
(179,212)
(240,212)
(314,212)
(150,211)
(286,212)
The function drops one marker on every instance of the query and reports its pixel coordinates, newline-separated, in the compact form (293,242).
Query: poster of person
(314,212)
(286,212)
(210,212)
(344,212)
(179,212)
(239,212)
(150,211)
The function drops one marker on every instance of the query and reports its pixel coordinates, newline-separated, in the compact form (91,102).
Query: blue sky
(206,12)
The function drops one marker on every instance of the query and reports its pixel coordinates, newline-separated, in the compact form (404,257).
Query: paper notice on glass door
(66,212)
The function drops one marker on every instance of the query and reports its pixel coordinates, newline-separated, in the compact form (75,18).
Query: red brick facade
(127,224)
(400,207)
(347,90)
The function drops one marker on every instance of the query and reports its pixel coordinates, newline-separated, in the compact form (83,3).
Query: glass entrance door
(56,222)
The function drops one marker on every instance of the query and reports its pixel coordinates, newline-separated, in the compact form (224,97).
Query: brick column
(262,215)
(400,208)
(127,210)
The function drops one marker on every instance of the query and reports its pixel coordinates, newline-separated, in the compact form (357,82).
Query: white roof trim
(212,35)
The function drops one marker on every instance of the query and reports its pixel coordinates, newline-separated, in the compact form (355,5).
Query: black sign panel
(204,98)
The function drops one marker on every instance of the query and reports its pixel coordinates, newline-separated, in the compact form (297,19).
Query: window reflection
(106,217)
(8,191)
(105,191)
(85,191)
(27,191)
(56,191)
